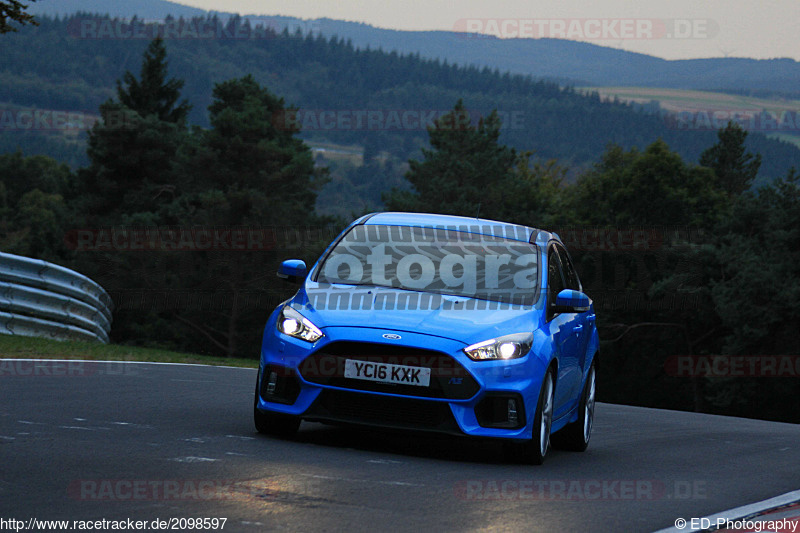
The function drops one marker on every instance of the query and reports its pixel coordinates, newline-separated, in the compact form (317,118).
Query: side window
(570,275)
(555,279)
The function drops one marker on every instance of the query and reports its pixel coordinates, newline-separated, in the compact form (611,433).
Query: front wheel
(575,436)
(535,450)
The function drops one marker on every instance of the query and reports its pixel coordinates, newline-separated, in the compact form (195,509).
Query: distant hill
(557,59)
(582,62)
(115,8)
(49,67)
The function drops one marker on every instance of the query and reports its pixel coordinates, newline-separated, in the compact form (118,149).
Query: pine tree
(253,146)
(132,150)
(465,173)
(249,170)
(735,169)
(14,11)
(152,93)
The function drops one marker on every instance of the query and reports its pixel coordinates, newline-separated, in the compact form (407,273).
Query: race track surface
(92,441)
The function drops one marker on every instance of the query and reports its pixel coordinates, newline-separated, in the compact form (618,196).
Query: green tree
(253,145)
(654,187)
(132,164)
(40,220)
(14,11)
(21,174)
(33,214)
(250,170)
(132,150)
(535,195)
(656,195)
(734,168)
(153,93)
(756,293)
(464,172)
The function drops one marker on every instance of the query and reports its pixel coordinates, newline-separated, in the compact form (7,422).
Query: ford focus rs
(436,323)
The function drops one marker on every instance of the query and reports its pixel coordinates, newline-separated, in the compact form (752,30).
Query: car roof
(480,226)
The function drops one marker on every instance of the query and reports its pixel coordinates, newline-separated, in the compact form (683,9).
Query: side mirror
(293,270)
(571,301)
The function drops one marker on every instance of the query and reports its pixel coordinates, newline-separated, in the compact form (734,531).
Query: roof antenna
(479,211)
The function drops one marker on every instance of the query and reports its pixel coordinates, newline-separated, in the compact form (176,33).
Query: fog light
(501,410)
(512,412)
(273,380)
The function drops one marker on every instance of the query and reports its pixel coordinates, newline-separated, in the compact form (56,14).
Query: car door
(562,329)
(584,322)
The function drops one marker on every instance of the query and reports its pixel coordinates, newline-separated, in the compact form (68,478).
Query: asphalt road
(100,441)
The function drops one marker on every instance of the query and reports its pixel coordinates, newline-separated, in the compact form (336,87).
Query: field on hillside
(723,105)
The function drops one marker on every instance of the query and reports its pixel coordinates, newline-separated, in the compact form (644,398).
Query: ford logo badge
(391,336)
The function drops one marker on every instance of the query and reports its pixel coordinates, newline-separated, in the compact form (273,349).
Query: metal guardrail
(40,299)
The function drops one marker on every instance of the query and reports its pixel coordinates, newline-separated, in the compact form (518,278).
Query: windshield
(437,260)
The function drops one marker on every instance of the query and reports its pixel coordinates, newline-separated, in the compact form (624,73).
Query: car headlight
(502,348)
(292,323)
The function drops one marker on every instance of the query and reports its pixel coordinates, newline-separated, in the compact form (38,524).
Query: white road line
(131,424)
(129,363)
(738,513)
(378,482)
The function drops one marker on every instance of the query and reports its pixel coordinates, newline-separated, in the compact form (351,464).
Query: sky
(671,29)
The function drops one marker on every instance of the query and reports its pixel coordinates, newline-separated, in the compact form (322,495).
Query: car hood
(452,317)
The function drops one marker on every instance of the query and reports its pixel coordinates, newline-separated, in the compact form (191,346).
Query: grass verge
(18,347)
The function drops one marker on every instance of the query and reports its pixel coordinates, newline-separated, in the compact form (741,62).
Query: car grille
(449,379)
(387,411)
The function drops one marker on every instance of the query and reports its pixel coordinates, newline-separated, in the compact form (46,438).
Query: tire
(575,436)
(276,424)
(535,450)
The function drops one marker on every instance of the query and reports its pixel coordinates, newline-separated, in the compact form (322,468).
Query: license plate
(387,373)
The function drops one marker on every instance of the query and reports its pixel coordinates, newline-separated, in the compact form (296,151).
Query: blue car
(437,323)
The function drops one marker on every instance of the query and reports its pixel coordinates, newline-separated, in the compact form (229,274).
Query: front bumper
(464,397)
